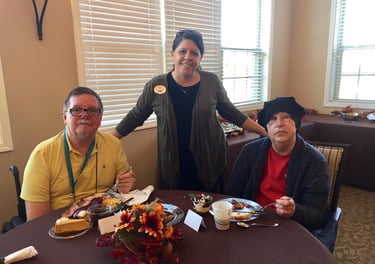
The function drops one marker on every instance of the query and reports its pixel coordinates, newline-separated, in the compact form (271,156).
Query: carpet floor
(355,243)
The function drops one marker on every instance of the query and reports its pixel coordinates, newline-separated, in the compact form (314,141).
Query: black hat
(281,104)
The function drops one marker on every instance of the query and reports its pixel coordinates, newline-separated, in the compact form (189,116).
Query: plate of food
(66,228)
(79,208)
(174,213)
(243,209)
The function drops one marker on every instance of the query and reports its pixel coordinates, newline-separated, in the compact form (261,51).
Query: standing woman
(191,141)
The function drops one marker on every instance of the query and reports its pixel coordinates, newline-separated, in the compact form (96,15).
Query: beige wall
(39,74)
(280,48)
(306,75)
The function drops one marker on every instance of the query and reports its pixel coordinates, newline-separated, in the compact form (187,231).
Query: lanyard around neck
(69,163)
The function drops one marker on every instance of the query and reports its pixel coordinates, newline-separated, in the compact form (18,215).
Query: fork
(267,205)
(273,203)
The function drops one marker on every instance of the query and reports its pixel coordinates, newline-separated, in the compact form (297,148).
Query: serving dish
(350,116)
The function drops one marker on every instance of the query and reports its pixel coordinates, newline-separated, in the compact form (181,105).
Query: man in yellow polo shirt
(77,162)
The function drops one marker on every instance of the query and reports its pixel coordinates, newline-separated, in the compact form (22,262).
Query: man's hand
(125,181)
(285,206)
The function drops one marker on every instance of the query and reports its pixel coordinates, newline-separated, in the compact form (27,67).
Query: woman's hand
(252,126)
(285,206)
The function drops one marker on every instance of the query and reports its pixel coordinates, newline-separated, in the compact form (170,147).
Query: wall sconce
(39,20)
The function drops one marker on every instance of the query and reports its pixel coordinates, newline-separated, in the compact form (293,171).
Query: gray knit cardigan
(307,179)
(207,141)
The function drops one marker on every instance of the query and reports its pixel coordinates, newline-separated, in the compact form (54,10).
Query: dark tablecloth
(288,243)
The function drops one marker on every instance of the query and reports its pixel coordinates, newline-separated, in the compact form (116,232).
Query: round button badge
(160,89)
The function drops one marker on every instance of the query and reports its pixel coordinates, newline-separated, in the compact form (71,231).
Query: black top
(183,99)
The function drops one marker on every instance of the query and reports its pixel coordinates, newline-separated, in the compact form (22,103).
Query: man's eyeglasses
(90,111)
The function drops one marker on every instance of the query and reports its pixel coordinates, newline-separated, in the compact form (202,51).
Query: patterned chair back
(336,155)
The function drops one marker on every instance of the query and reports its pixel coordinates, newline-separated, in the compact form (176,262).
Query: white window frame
(335,48)
(174,15)
(6,143)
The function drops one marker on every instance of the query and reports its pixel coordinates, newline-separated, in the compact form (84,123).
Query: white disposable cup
(222,214)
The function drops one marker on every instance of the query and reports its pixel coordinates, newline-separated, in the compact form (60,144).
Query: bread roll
(241,215)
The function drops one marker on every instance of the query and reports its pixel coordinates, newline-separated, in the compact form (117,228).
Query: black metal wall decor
(39,20)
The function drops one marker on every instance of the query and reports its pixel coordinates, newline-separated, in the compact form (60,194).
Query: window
(6,143)
(121,44)
(351,64)
(119,47)
(245,40)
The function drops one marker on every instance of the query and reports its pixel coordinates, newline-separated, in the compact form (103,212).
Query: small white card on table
(194,220)
(108,224)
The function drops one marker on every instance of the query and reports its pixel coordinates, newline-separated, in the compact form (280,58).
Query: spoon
(243,224)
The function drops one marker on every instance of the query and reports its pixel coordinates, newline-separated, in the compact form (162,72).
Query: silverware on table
(123,205)
(246,225)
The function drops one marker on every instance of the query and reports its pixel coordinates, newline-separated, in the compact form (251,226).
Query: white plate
(51,233)
(251,205)
(176,211)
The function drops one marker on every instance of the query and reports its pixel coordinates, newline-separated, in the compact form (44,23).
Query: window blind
(121,44)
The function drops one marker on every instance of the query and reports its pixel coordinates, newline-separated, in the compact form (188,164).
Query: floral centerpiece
(143,236)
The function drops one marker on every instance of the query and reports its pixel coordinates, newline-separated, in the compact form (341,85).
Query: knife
(252,211)
(124,204)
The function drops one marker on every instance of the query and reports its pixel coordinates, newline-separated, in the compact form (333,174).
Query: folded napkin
(139,196)
(25,253)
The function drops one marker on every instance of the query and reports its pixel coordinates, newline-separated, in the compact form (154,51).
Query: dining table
(289,242)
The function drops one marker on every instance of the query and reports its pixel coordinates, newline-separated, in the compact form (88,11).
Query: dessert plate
(51,233)
(248,207)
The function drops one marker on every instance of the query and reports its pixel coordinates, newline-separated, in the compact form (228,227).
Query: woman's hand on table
(285,206)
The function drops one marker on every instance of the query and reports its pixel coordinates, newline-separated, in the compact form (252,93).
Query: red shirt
(273,184)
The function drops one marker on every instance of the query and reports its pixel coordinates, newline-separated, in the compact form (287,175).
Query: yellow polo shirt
(46,175)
